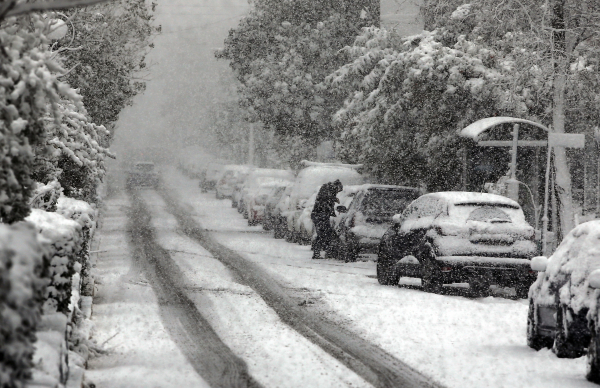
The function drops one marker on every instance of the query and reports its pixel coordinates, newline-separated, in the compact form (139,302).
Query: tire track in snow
(372,363)
(209,356)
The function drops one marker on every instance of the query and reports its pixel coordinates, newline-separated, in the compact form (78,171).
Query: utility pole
(251,145)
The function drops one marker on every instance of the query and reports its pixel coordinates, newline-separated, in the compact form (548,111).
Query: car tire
(347,252)
(278,231)
(522,291)
(534,340)
(431,277)
(593,358)
(387,274)
(234,204)
(479,286)
(563,346)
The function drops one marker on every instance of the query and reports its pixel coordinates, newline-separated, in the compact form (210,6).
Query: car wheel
(563,346)
(289,236)
(234,204)
(522,291)
(593,359)
(387,275)
(431,277)
(534,340)
(347,252)
(479,286)
(278,231)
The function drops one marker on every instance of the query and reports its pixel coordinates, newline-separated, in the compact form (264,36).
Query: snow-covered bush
(45,197)
(85,215)
(64,239)
(23,280)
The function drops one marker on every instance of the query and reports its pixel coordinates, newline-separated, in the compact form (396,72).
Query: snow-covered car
(304,228)
(271,210)
(368,216)
(560,299)
(231,175)
(257,178)
(257,203)
(308,180)
(142,174)
(457,237)
(210,178)
(278,219)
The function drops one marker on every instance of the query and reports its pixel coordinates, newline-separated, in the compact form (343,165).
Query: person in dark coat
(322,211)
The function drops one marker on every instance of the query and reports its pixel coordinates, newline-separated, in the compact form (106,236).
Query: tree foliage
(30,92)
(281,53)
(105,51)
(407,97)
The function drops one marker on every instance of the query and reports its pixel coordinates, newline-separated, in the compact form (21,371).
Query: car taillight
(446,269)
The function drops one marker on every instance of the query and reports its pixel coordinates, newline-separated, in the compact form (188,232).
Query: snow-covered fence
(23,281)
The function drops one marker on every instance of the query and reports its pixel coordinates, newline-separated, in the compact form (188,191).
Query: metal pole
(545,219)
(513,188)
(251,145)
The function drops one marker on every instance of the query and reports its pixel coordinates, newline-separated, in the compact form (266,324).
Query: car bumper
(258,212)
(499,271)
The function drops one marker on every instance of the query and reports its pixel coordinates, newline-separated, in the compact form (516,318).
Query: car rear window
(487,212)
(144,167)
(387,201)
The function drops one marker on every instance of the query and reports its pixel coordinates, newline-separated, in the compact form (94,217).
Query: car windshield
(387,201)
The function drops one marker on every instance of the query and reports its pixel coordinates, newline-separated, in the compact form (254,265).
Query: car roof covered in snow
(467,197)
(369,186)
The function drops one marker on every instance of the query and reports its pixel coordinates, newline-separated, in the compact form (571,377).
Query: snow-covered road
(457,341)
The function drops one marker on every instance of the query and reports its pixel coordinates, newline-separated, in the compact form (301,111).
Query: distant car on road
(561,297)
(456,237)
(231,175)
(369,216)
(257,178)
(209,180)
(142,174)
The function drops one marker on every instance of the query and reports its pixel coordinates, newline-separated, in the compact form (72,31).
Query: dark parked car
(142,174)
(561,297)
(369,216)
(455,237)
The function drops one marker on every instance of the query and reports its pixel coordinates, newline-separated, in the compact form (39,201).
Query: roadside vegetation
(64,78)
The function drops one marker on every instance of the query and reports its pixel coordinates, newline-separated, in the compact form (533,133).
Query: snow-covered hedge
(23,281)
(45,197)
(64,239)
(85,215)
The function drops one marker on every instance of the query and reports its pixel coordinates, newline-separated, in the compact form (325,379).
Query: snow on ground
(458,341)
(276,355)
(126,318)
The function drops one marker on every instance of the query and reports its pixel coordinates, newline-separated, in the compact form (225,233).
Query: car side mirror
(342,209)
(594,279)
(539,263)
(397,219)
